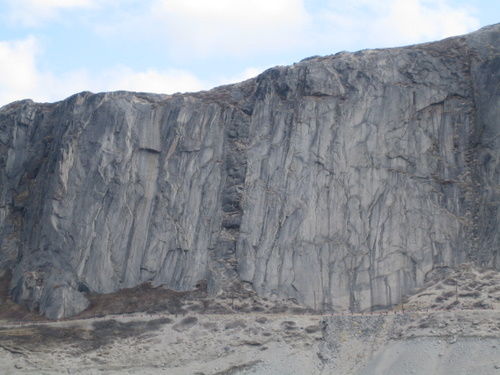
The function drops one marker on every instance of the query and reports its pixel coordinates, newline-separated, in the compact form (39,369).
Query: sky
(51,49)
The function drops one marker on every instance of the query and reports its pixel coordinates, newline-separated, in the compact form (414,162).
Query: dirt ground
(147,330)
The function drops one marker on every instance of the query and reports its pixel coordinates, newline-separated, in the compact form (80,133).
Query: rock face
(340,181)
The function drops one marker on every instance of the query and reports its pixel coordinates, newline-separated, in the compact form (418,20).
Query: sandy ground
(203,344)
(265,344)
(437,356)
(434,335)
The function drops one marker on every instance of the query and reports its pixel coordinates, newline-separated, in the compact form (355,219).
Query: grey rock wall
(339,181)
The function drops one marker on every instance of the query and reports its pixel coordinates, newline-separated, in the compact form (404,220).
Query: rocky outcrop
(339,181)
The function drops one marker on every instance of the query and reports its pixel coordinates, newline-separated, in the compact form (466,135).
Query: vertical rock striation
(339,181)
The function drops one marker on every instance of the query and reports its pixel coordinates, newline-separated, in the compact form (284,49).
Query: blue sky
(50,49)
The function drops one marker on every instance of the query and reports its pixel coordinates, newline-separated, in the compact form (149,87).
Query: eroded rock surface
(339,181)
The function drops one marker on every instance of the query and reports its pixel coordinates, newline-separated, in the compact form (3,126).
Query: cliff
(340,182)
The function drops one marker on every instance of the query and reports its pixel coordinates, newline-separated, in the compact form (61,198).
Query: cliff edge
(341,182)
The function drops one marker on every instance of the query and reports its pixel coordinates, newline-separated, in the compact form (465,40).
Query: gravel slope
(264,344)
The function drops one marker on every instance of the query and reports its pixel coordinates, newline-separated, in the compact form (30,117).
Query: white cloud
(35,12)
(19,73)
(54,4)
(247,73)
(383,23)
(21,77)
(412,21)
(194,29)
(231,27)
(223,28)
(151,80)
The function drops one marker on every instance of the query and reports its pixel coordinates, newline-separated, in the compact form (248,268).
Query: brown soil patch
(76,339)
(142,298)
